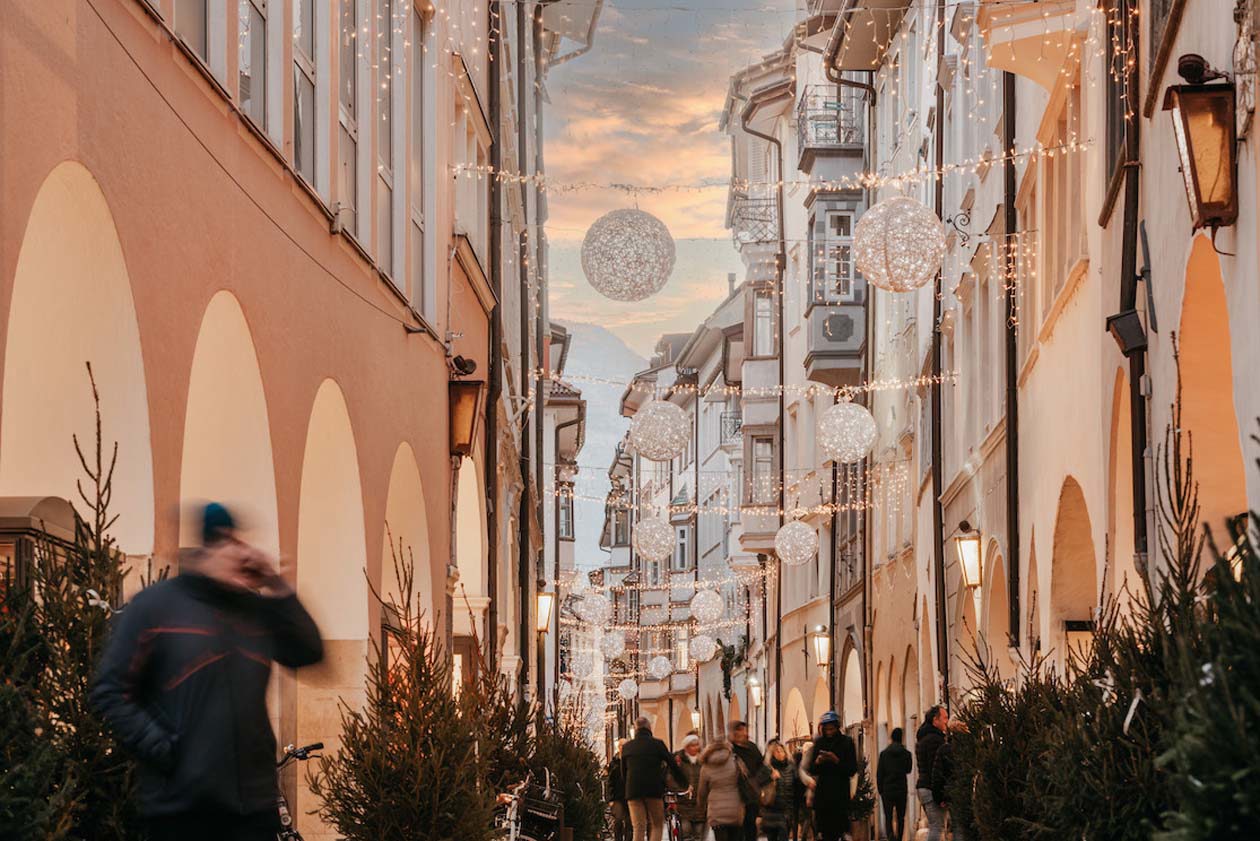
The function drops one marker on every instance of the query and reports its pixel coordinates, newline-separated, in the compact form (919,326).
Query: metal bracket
(1144,277)
(960,221)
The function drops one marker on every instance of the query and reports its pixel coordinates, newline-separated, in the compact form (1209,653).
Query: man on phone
(183,683)
(827,770)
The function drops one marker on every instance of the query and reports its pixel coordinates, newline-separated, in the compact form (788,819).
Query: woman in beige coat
(719,798)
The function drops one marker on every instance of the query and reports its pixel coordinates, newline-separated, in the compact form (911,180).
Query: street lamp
(822,646)
(1205,129)
(967,544)
(695,720)
(755,696)
(465,397)
(546,603)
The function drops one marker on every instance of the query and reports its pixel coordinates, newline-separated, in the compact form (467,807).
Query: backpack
(748,791)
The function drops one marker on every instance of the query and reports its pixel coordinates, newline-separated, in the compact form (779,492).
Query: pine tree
(561,747)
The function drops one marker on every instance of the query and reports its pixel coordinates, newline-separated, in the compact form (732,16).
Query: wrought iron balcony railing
(754,220)
(829,117)
(732,428)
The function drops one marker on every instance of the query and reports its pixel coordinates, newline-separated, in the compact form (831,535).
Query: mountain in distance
(597,352)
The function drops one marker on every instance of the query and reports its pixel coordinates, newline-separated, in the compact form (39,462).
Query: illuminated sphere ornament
(627,689)
(654,538)
(613,645)
(659,667)
(594,608)
(659,430)
(707,606)
(796,543)
(628,255)
(846,432)
(702,648)
(898,244)
(582,665)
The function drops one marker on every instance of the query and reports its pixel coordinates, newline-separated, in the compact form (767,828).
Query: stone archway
(851,712)
(71,305)
(406,523)
(927,660)
(1122,580)
(471,598)
(1207,392)
(796,724)
(997,621)
(1073,567)
(822,699)
(910,698)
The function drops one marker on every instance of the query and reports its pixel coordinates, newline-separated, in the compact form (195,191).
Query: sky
(642,107)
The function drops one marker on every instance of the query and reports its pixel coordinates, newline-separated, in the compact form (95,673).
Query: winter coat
(719,798)
(183,683)
(749,754)
(775,815)
(644,762)
(942,772)
(616,783)
(926,743)
(832,777)
(894,765)
(689,807)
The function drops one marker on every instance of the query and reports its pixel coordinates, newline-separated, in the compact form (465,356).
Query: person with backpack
(645,762)
(721,797)
(827,770)
(759,775)
(895,764)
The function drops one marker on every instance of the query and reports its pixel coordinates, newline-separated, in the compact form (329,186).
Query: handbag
(768,793)
(748,791)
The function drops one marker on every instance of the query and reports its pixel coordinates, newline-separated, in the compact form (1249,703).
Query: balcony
(830,120)
(754,220)
(834,348)
(732,430)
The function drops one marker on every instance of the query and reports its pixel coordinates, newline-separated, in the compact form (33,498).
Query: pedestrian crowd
(729,790)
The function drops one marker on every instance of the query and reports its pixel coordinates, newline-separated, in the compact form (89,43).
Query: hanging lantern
(594,608)
(898,244)
(613,645)
(707,606)
(654,539)
(628,255)
(627,689)
(702,648)
(582,666)
(796,543)
(659,667)
(846,432)
(659,430)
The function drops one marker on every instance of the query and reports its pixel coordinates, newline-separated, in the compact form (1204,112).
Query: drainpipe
(555,642)
(938,466)
(780,264)
(494,380)
(540,332)
(1010,223)
(524,568)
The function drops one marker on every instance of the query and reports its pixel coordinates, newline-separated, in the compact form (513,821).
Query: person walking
(929,740)
(943,775)
(828,768)
(800,812)
(778,815)
(645,761)
(755,766)
(689,813)
(183,683)
(617,806)
(895,764)
(719,795)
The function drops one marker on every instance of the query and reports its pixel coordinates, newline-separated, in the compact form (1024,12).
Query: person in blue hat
(183,683)
(827,770)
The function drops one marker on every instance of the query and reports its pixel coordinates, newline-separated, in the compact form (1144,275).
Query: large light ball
(660,667)
(582,665)
(702,648)
(613,645)
(707,606)
(796,543)
(628,255)
(627,689)
(898,244)
(654,538)
(659,430)
(594,608)
(846,432)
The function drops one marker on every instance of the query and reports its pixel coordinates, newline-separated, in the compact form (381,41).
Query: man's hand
(827,756)
(265,574)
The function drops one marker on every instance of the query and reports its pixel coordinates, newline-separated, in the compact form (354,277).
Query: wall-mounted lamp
(967,544)
(1126,328)
(821,642)
(695,720)
(755,692)
(465,397)
(1205,127)
(546,603)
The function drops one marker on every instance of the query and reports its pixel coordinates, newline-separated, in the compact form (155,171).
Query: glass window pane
(304,27)
(348,59)
(385,224)
(253,62)
(347,182)
(385,85)
(417,267)
(304,125)
(190,24)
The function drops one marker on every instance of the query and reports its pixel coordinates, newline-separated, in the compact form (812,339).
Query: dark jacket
(754,762)
(616,782)
(942,772)
(926,743)
(775,815)
(895,765)
(689,807)
(183,683)
(832,777)
(644,763)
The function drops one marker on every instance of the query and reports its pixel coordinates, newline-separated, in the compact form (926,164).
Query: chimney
(730,284)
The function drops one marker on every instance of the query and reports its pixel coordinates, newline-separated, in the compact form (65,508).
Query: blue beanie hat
(216,520)
(829,717)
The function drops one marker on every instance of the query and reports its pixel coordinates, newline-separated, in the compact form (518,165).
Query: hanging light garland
(846,432)
(628,255)
(654,539)
(796,543)
(660,430)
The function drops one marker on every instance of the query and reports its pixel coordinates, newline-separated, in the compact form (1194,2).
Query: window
(682,657)
(304,89)
(621,528)
(763,323)
(416,164)
(252,58)
(1117,69)
(190,25)
(682,549)
(1062,177)
(385,136)
(654,572)
(763,488)
(564,527)
(472,198)
(348,136)
(634,605)
(832,256)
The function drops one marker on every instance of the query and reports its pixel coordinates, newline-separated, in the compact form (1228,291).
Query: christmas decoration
(628,255)
(659,667)
(594,608)
(628,689)
(654,539)
(659,430)
(796,543)
(707,606)
(613,645)
(846,432)
(898,244)
(702,648)
(583,665)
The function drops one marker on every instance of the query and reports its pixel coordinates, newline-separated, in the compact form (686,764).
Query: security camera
(463,366)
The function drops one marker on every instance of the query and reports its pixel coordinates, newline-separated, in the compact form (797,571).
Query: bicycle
(288,832)
(673,820)
(528,812)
